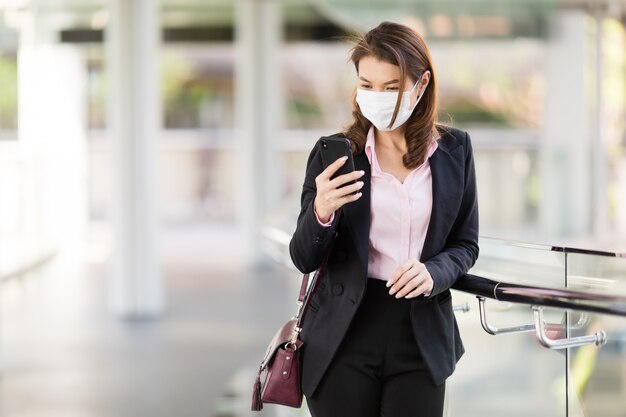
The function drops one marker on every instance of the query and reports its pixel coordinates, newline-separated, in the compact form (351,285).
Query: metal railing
(538,298)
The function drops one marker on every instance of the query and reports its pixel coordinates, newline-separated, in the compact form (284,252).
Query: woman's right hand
(332,194)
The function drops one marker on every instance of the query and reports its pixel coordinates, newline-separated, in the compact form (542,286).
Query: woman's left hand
(410,280)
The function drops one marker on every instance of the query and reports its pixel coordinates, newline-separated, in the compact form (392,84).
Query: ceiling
(349,14)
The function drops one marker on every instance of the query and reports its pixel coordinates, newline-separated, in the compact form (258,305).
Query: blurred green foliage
(471,112)
(97,88)
(185,93)
(304,113)
(8,92)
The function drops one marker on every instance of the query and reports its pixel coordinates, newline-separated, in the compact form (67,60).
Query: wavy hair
(401,46)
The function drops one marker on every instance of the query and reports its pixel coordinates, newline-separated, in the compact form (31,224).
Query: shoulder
(452,138)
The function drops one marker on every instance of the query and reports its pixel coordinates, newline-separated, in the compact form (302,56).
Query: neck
(393,139)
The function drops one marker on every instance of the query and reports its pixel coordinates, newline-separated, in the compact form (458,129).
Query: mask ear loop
(416,83)
(420,96)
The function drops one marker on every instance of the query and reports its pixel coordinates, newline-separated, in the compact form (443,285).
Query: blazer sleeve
(310,240)
(461,248)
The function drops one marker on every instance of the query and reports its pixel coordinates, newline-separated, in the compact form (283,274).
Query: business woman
(380,335)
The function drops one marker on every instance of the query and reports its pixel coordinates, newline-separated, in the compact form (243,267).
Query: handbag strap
(303,288)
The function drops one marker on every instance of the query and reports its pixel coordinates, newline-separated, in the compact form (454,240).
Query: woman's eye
(392,88)
(366,86)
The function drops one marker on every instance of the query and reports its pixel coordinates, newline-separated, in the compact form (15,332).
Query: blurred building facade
(539,85)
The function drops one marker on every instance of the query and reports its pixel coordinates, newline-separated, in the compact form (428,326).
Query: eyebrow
(388,82)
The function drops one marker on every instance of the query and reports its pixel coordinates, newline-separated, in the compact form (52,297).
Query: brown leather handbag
(278,379)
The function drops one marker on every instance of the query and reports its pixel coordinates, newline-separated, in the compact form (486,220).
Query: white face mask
(378,106)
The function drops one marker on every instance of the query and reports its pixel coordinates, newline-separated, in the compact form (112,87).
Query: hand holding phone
(337,184)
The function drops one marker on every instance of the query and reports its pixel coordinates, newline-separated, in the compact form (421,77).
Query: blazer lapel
(357,213)
(447,173)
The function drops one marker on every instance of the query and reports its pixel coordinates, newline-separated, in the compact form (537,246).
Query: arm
(461,249)
(310,239)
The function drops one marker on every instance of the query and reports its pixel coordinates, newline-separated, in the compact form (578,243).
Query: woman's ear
(425,80)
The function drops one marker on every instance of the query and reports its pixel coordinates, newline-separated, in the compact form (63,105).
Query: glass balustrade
(597,383)
(511,373)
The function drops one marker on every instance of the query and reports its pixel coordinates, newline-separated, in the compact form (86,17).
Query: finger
(419,290)
(346,190)
(415,293)
(332,168)
(404,279)
(344,195)
(331,198)
(399,271)
(421,283)
(348,199)
(346,178)
(426,285)
(412,284)
(414,267)
(416,275)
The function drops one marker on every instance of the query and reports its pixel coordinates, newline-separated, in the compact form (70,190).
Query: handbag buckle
(294,336)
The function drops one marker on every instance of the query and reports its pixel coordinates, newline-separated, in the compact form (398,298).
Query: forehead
(377,71)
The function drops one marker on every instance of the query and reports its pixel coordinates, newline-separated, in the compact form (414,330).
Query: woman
(380,335)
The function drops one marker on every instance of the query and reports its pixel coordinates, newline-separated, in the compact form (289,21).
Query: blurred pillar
(38,27)
(566,197)
(259,102)
(52,136)
(600,211)
(132,62)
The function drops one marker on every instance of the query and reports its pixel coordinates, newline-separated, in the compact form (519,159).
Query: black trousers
(378,370)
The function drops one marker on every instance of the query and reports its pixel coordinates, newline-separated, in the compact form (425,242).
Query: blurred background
(151,161)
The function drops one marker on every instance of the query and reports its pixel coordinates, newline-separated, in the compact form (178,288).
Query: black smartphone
(333,149)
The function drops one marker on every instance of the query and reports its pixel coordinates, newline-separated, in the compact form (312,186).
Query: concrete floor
(64,355)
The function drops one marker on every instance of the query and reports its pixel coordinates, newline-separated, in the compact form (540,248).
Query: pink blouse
(400,214)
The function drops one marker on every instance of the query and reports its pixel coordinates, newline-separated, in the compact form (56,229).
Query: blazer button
(316,239)
(337,289)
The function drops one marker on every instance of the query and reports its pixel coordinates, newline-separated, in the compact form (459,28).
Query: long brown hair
(402,46)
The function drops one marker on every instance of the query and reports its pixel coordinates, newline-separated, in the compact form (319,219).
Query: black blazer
(450,249)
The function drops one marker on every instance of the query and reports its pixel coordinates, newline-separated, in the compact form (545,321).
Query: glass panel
(598,374)
(509,374)
(505,375)
(520,263)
